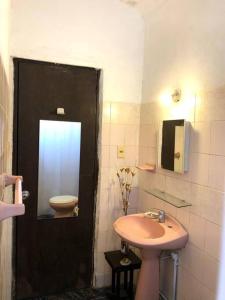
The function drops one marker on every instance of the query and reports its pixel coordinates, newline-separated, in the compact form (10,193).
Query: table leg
(131,284)
(125,280)
(118,284)
(113,281)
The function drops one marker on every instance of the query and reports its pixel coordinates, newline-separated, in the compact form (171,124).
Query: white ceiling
(146,6)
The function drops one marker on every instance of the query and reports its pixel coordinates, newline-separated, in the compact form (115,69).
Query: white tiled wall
(120,126)
(203,186)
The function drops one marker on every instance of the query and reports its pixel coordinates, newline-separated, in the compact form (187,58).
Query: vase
(124,249)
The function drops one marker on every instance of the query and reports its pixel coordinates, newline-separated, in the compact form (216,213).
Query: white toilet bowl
(63,205)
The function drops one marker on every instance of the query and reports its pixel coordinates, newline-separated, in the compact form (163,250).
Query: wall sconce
(176,96)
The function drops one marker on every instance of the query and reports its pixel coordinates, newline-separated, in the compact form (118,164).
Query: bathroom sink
(144,232)
(151,237)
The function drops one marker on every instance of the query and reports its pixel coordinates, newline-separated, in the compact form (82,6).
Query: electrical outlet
(120,152)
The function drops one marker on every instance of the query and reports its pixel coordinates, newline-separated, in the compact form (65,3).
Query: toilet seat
(64,199)
(63,205)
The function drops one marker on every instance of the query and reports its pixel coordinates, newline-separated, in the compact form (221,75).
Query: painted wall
(105,34)
(184,48)
(102,33)
(5,226)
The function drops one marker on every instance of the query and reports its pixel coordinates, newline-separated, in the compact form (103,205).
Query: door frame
(15,77)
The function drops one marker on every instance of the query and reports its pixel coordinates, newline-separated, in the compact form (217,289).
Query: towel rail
(18,192)
(16,209)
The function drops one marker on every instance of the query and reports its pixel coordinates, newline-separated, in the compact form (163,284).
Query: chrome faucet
(156,214)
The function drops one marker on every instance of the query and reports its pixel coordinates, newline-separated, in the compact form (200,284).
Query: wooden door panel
(54,254)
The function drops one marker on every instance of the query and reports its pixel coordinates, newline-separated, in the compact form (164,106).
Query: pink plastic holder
(16,209)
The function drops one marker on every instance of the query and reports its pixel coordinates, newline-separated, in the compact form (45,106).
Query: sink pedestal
(148,281)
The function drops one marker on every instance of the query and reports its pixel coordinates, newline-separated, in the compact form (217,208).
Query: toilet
(63,205)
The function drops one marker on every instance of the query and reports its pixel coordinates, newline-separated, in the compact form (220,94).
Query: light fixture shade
(176,96)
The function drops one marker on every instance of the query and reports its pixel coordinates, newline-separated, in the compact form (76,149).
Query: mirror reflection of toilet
(64,206)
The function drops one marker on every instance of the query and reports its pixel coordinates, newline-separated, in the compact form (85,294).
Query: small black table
(113,258)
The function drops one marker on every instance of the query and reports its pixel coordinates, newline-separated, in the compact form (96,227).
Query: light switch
(60,111)
(120,152)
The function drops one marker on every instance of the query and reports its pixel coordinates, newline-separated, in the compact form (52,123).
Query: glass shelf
(168,198)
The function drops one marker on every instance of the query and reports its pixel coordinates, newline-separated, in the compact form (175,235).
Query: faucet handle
(152,214)
(162,216)
(155,213)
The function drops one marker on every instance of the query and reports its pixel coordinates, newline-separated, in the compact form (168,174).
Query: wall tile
(101,243)
(124,113)
(99,280)
(149,113)
(141,155)
(103,222)
(104,161)
(107,279)
(178,188)
(217,172)
(104,200)
(131,135)
(133,201)
(160,204)
(145,180)
(114,161)
(199,168)
(183,216)
(192,260)
(213,238)
(113,240)
(170,209)
(200,137)
(213,206)
(207,294)
(104,178)
(159,181)
(106,112)
(105,134)
(210,272)
(210,108)
(120,126)
(100,262)
(192,288)
(147,155)
(217,138)
(181,284)
(131,156)
(117,135)
(148,135)
(198,195)
(197,231)
(146,201)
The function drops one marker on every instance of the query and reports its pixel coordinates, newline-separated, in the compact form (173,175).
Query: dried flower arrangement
(125,177)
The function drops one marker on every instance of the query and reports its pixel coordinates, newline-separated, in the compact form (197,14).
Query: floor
(86,294)
(83,294)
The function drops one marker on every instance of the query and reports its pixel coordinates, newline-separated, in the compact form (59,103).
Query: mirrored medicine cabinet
(173,148)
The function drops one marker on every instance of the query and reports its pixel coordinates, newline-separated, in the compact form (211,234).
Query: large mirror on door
(59,169)
(174,145)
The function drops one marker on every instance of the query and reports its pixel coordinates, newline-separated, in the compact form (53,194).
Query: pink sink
(144,232)
(151,237)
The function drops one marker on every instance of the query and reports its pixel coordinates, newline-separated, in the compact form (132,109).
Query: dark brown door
(54,255)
